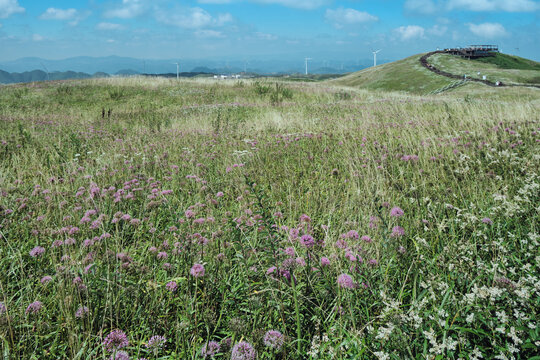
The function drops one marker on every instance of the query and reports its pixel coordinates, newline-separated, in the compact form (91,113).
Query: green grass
(231,175)
(493,72)
(505,61)
(406,75)
(409,76)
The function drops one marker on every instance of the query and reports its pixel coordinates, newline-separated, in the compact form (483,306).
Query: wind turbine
(375,57)
(46,70)
(306,60)
(177,70)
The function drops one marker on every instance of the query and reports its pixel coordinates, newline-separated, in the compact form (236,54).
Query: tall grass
(424,208)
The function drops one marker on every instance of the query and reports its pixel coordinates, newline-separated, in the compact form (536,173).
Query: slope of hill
(403,75)
(505,68)
(505,61)
(410,76)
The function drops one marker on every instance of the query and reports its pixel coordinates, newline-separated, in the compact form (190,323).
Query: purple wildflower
(366,238)
(34,307)
(325,261)
(210,349)
(3,309)
(307,240)
(345,281)
(44,280)
(487,220)
(352,234)
(197,270)
(397,231)
(373,262)
(117,339)
(37,251)
(373,222)
(171,286)
(243,351)
(155,343)
(396,212)
(290,263)
(289,251)
(300,261)
(120,355)
(162,255)
(81,312)
(274,339)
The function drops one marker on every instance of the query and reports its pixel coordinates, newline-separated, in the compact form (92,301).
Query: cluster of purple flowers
(210,349)
(37,251)
(82,312)
(346,282)
(34,307)
(243,351)
(274,339)
(116,340)
(155,343)
(197,270)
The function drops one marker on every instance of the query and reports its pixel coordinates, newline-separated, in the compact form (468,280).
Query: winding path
(427,65)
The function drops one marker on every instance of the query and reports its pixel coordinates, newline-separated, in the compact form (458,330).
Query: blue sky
(271,29)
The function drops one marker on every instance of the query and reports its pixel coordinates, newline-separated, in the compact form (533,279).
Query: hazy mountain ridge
(39,75)
(114,64)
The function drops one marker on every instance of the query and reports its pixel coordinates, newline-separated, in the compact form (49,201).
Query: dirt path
(427,65)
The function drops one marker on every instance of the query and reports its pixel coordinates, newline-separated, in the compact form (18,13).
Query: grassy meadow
(205,219)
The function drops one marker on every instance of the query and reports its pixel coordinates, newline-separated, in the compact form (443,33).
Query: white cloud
(342,17)
(37,37)
(430,7)
(9,7)
(264,36)
(128,10)
(59,14)
(493,5)
(438,30)
(209,34)
(108,26)
(421,6)
(410,32)
(488,30)
(214,1)
(299,4)
(192,18)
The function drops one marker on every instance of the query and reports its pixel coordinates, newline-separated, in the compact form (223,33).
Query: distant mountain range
(130,66)
(39,75)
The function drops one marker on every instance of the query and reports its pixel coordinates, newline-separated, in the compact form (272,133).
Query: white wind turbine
(306,60)
(375,57)
(177,70)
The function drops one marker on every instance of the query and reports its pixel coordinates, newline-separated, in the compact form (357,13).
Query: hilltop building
(474,51)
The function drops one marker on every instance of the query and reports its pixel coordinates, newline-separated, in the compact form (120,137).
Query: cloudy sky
(243,29)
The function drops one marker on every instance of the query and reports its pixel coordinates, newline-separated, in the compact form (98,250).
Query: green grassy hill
(506,68)
(505,61)
(403,75)
(409,75)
